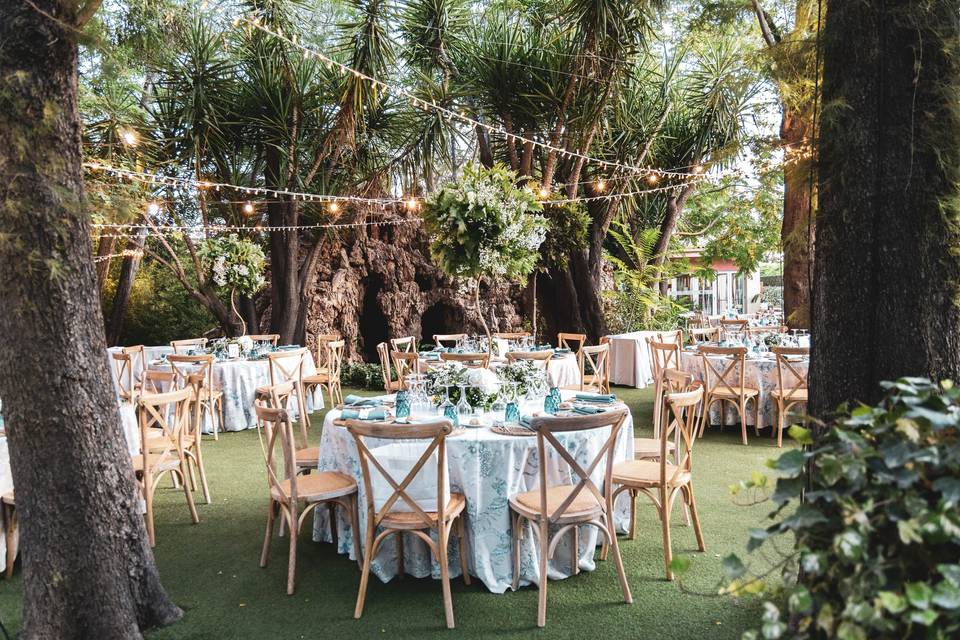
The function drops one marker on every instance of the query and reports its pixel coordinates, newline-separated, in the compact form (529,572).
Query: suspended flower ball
(234,263)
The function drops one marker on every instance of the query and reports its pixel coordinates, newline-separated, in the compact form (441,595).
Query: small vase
(450,413)
(402,405)
(512,414)
(551,403)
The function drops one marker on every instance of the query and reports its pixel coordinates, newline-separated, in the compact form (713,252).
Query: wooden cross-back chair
(540,358)
(511,335)
(272,338)
(415,520)
(288,489)
(129,365)
(408,343)
(791,385)
(322,340)
(158,456)
(210,399)
(469,360)
(192,438)
(733,325)
(386,368)
(662,480)
(726,383)
(405,363)
(329,375)
(757,331)
(672,381)
(698,320)
(663,356)
(281,396)
(671,337)
(182,346)
(567,507)
(597,360)
(441,339)
(699,335)
(579,341)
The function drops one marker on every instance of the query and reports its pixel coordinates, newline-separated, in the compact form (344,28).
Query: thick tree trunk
(668,226)
(104,251)
(284,257)
(887,278)
(121,298)
(797,231)
(88,571)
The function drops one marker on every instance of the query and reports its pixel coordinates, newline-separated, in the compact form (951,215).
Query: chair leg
(706,415)
(779,425)
(292,561)
(696,518)
(633,514)
(617,558)
(202,471)
(575,550)
(743,420)
(191,473)
(462,535)
(365,573)
(443,540)
(186,491)
(148,503)
(542,595)
(516,531)
(756,413)
(664,509)
(264,553)
(332,517)
(355,529)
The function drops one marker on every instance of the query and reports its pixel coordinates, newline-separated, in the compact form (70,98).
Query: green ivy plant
(876,538)
(482,225)
(234,263)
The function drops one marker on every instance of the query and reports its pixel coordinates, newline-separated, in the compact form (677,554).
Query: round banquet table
(487,468)
(239,380)
(563,368)
(761,374)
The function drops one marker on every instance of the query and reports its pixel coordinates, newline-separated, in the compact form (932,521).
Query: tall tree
(887,279)
(88,570)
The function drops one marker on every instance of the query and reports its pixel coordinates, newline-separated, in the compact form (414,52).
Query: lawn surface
(211,569)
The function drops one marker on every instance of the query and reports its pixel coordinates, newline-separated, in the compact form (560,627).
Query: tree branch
(87,12)
(768,35)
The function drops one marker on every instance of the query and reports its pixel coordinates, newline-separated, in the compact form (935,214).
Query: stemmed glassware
(447,409)
(464,410)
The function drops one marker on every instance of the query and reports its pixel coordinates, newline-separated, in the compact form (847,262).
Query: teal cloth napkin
(374,414)
(587,411)
(562,350)
(288,347)
(525,421)
(605,398)
(360,401)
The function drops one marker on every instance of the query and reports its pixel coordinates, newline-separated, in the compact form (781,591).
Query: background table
(761,374)
(630,358)
(487,468)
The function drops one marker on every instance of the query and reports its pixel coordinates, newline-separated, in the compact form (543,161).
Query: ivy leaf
(849,545)
(805,516)
(790,464)
(896,455)
(946,596)
(949,488)
(926,617)
(919,594)
(800,434)
(909,428)
(825,618)
(909,531)
(951,572)
(892,602)
(800,601)
(733,566)
(757,538)
(787,489)
(850,631)
(830,468)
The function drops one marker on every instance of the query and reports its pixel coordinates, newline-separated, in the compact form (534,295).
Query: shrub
(877,536)
(362,375)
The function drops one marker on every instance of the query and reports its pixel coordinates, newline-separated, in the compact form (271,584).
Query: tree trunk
(121,298)
(88,571)
(104,251)
(887,277)
(284,257)
(797,232)
(668,225)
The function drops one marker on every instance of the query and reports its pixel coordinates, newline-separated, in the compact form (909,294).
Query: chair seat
(650,448)
(324,485)
(412,520)
(320,378)
(528,503)
(644,473)
(791,395)
(733,392)
(308,457)
(209,394)
(160,464)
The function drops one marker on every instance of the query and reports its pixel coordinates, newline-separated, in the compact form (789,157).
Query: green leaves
(790,464)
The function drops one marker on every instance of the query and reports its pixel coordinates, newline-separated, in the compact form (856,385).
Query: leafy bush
(362,375)
(877,536)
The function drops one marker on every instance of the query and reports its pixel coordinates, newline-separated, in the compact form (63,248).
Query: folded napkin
(587,410)
(525,421)
(562,350)
(360,401)
(431,355)
(605,398)
(378,413)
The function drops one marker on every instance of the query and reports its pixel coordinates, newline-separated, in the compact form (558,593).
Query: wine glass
(464,410)
(447,409)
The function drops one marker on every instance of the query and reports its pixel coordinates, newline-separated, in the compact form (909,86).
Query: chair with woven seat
(791,385)
(672,381)
(726,383)
(329,375)
(158,456)
(288,489)
(661,480)
(272,338)
(539,358)
(280,396)
(405,363)
(386,368)
(407,343)
(322,339)
(129,364)
(596,359)
(398,512)
(578,340)
(441,339)
(567,506)
(211,398)
(183,346)
(663,357)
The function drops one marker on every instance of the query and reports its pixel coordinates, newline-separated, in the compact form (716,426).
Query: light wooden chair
(182,346)
(672,337)
(440,339)
(699,335)
(663,356)
(405,363)
(129,365)
(759,331)
(281,396)
(672,381)
(159,456)
(469,360)
(321,340)
(211,399)
(155,381)
(727,383)
(564,340)
(540,358)
(730,326)
(272,338)
(415,520)
(8,514)
(698,320)
(567,507)
(791,385)
(409,343)
(192,438)
(661,480)
(386,368)
(288,489)
(511,335)
(597,360)
(329,375)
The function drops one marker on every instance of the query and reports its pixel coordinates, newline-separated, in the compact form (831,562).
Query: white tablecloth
(760,374)
(487,468)
(239,380)
(630,359)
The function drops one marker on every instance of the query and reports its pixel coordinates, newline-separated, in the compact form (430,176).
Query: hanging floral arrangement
(235,264)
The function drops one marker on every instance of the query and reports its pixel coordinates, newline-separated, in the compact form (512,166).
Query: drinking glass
(447,409)
(464,410)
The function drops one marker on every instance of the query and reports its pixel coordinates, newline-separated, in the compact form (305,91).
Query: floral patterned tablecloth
(487,468)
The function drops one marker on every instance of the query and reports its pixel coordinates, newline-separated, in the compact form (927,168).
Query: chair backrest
(275,431)
(440,339)
(182,346)
(184,366)
(272,338)
(408,343)
(726,375)
(194,428)
(322,340)
(539,358)
(733,325)
(154,381)
(168,411)
(405,363)
(789,378)
(287,366)
(469,360)
(386,366)
(597,358)
(399,490)
(546,428)
(682,422)
(766,329)
(511,335)
(333,359)
(698,320)
(663,356)
(564,340)
(673,337)
(128,365)
(676,381)
(699,335)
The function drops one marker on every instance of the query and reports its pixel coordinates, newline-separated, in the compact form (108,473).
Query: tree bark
(887,278)
(104,251)
(284,257)
(121,298)
(797,231)
(88,571)
(675,204)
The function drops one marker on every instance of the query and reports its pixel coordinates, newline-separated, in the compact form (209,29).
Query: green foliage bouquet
(877,536)
(528,376)
(234,263)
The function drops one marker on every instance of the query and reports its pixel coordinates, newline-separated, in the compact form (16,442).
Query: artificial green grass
(211,569)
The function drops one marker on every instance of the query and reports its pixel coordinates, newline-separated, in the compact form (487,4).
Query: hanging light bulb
(248,209)
(411,204)
(544,192)
(333,207)
(653,178)
(153,208)
(698,168)
(129,138)
(601,185)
